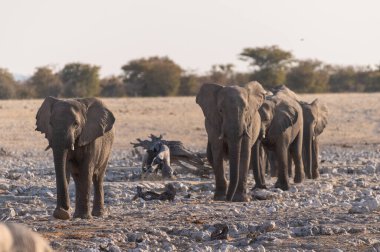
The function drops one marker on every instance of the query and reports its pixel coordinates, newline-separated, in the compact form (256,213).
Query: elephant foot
(82,215)
(240,197)
(97,212)
(220,196)
(282,185)
(315,174)
(61,214)
(299,179)
(308,175)
(259,187)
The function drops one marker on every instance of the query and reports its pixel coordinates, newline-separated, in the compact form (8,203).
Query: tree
(155,76)
(7,85)
(190,85)
(266,57)
(45,83)
(80,80)
(308,76)
(269,64)
(344,79)
(112,87)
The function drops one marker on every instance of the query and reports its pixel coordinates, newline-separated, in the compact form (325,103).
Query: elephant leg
(273,164)
(290,165)
(219,171)
(258,165)
(296,155)
(209,153)
(98,206)
(315,151)
(82,179)
(282,161)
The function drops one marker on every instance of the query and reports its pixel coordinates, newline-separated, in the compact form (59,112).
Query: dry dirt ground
(338,212)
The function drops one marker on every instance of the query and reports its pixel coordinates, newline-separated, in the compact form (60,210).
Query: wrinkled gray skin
(314,122)
(80,133)
(281,136)
(232,123)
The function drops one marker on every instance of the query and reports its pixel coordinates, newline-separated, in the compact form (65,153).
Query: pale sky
(196,34)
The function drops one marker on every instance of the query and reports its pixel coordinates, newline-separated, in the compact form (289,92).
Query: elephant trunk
(60,145)
(60,155)
(234,149)
(307,146)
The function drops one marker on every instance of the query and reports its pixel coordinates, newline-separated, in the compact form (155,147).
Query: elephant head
(229,117)
(70,124)
(315,120)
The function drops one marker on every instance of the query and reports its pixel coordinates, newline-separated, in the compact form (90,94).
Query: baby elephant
(16,238)
(158,158)
(80,132)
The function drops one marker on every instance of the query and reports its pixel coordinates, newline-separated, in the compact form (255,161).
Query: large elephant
(80,132)
(315,120)
(281,137)
(232,123)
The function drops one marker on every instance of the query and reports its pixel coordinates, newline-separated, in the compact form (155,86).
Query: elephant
(80,133)
(232,124)
(281,137)
(15,237)
(314,122)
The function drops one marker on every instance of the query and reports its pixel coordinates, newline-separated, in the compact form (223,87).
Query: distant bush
(80,80)
(155,76)
(8,85)
(112,87)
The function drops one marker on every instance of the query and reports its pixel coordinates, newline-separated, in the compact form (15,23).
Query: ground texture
(338,212)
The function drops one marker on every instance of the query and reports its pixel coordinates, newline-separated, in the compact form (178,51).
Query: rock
(200,236)
(262,194)
(302,231)
(358,209)
(356,230)
(260,248)
(370,169)
(114,248)
(267,227)
(336,250)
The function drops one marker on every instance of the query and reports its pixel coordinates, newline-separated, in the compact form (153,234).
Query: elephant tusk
(72,147)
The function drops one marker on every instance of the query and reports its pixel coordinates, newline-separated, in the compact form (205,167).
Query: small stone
(114,248)
(260,248)
(267,226)
(262,194)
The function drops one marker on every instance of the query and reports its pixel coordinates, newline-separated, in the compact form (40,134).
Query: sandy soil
(350,154)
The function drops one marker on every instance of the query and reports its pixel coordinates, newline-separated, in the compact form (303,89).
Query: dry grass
(354,118)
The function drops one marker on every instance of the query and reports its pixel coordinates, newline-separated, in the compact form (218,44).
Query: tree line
(161,76)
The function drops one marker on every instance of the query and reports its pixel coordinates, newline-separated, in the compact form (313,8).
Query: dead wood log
(168,194)
(179,154)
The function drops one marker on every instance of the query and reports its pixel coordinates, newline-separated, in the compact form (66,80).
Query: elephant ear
(285,116)
(256,94)
(98,120)
(43,117)
(322,117)
(207,100)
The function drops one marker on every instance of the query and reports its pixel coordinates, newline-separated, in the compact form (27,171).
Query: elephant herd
(244,125)
(255,130)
